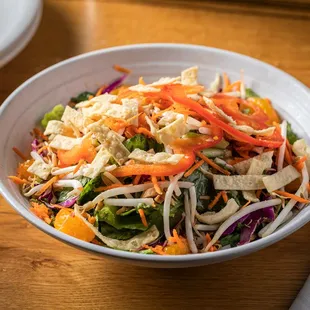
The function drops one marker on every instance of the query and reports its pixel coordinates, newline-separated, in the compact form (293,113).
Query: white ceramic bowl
(26,105)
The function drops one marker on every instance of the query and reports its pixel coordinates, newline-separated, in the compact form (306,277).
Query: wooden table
(38,272)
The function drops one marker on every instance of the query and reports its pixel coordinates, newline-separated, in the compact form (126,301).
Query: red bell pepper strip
(186,146)
(177,95)
(157,170)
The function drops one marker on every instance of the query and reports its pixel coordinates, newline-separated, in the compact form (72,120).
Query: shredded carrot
(158,249)
(90,97)
(61,176)
(44,147)
(129,132)
(136,180)
(78,166)
(226,82)
(143,218)
(225,198)
(54,160)
(193,168)
(208,238)
(141,81)
(289,148)
(144,132)
(292,196)
(41,211)
(121,69)
(245,205)
(258,193)
(47,185)
(105,188)
(215,200)
(156,185)
(308,187)
(19,153)
(99,91)
(288,157)
(163,179)
(178,240)
(133,117)
(233,87)
(212,163)
(39,133)
(300,163)
(18,180)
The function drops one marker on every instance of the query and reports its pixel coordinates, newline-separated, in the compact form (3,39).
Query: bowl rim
(201,257)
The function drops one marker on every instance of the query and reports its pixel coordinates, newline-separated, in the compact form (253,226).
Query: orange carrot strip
(163,179)
(39,133)
(193,168)
(18,180)
(288,157)
(158,249)
(44,147)
(99,91)
(308,187)
(143,218)
(300,163)
(215,200)
(136,180)
(19,153)
(226,82)
(141,81)
(258,193)
(144,132)
(225,198)
(212,163)
(105,188)
(245,205)
(178,239)
(121,69)
(47,185)
(208,238)
(156,185)
(233,87)
(292,196)
(78,166)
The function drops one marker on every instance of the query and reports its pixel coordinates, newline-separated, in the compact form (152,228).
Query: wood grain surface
(38,272)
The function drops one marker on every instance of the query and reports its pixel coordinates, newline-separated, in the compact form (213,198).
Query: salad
(166,168)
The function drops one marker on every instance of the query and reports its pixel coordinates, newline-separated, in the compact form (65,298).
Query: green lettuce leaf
(147,251)
(62,195)
(55,114)
(88,193)
(201,183)
(250,93)
(141,142)
(291,136)
(82,97)
(108,215)
(147,209)
(231,240)
(119,234)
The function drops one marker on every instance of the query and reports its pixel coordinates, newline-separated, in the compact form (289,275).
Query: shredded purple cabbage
(114,84)
(69,202)
(251,223)
(48,195)
(35,145)
(233,226)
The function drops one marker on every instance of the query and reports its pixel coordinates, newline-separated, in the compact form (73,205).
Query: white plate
(26,105)
(19,20)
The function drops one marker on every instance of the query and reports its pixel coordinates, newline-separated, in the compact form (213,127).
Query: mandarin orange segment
(68,223)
